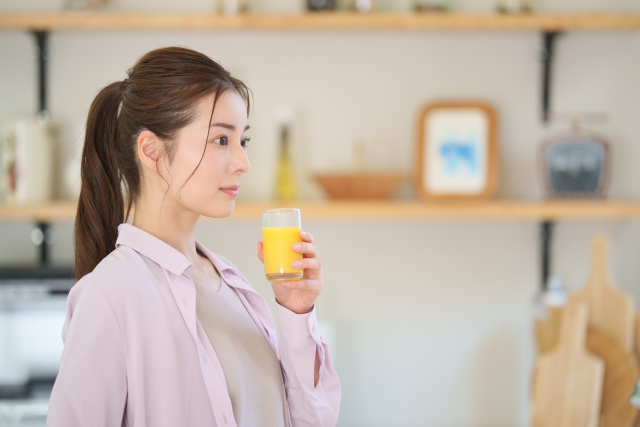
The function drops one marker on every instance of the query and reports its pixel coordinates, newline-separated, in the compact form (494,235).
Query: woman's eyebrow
(227,126)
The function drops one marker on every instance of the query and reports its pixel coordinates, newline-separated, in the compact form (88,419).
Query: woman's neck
(177,229)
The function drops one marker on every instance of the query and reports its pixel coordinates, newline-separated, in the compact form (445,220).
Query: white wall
(432,319)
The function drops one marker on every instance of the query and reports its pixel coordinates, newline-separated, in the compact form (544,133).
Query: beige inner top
(251,368)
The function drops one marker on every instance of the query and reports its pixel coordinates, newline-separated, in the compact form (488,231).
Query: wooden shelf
(109,20)
(392,210)
(48,212)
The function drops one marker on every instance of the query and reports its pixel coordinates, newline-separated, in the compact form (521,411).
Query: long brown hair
(160,95)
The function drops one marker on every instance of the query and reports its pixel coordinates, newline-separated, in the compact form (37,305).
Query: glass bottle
(285,180)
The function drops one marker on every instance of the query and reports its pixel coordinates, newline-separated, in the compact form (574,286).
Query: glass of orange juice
(280,230)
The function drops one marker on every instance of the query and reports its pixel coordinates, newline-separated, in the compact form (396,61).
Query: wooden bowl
(360,185)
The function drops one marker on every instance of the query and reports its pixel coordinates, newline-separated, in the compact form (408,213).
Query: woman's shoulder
(122,272)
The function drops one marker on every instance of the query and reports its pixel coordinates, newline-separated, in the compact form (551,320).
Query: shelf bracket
(546,231)
(548,40)
(43,230)
(42,50)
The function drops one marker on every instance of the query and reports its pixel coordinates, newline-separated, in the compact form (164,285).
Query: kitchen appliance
(32,313)
(575,165)
(26,160)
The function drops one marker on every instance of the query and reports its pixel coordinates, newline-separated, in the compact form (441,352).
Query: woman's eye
(245,142)
(219,140)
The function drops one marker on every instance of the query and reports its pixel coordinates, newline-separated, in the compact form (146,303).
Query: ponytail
(101,203)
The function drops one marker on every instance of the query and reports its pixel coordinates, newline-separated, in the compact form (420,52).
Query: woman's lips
(231,191)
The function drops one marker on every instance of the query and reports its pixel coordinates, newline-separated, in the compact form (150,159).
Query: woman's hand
(300,295)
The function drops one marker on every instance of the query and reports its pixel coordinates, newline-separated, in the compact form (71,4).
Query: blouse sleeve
(299,340)
(91,386)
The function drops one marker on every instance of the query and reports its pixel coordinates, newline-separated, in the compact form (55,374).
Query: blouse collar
(161,252)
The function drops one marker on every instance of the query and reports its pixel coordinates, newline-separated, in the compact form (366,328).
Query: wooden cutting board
(637,336)
(567,379)
(637,354)
(610,310)
(620,373)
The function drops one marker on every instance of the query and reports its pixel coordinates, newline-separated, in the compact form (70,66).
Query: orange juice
(278,253)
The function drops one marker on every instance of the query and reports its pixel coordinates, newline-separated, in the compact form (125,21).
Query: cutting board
(620,373)
(568,380)
(637,336)
(610,310)
(637,353)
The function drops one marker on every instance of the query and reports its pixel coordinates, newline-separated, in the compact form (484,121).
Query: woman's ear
(148,148)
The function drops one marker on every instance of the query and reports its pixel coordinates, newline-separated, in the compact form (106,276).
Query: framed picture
(457,153)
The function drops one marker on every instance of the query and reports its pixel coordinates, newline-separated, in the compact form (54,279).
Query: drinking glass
(280,230)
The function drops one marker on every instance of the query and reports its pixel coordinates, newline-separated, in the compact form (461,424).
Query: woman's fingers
(309,249)
(312,263)
(306,236)
(307,284)
(261,251)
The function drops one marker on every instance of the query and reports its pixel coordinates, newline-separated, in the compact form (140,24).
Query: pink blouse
(135,353)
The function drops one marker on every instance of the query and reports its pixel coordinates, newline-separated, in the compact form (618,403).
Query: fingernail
(296,246)
(295,264)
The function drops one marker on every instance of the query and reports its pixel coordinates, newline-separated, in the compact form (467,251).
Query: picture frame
(457,151)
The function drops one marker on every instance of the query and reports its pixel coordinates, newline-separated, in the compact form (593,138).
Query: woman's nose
(241,161)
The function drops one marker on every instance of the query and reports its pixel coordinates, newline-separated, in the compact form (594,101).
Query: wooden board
(547,330)
(342,20)
(637,354)
(620,373)
(568,380)
(637,336)
(610,310)
(517,210)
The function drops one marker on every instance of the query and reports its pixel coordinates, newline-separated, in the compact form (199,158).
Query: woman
(160,331)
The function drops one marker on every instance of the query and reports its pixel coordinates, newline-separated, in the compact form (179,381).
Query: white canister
(26,161)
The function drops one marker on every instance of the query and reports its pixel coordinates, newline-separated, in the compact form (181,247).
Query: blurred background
(429,318)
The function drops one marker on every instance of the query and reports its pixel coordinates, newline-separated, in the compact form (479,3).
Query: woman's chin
(221,210)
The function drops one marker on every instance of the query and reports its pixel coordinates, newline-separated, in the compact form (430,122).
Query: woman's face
(213,188)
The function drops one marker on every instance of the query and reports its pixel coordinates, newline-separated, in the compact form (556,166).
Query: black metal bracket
(42,50)
(44,228)
(546,231)
(548,40)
